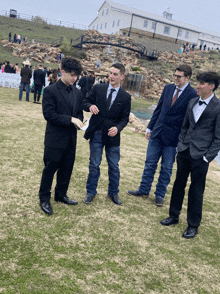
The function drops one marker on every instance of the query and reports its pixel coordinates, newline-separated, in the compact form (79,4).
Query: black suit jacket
(26,75)
(116,116)
(39,78)
(167,120)
(58,111)
(201,137)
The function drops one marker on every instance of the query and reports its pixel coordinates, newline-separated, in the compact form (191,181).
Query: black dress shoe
(169,221)
(88,199)
(115,199)
(65,200)
(136,193)
(190,233)
(46,207)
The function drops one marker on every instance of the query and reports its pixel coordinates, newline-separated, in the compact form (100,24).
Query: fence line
(46,20)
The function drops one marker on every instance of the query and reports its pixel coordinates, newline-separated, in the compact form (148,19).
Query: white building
(114,18)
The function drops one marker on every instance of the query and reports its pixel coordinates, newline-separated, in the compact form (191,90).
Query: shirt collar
(183,88)
(65,87)
(116,89)
(207,100)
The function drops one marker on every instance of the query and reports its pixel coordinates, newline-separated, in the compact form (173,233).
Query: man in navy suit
(62,109)
(163,132)
(199,143)
(110,107)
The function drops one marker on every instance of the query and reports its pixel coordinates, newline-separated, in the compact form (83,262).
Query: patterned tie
(109,99)
(175,96)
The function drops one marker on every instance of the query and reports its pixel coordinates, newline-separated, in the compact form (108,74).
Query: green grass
(97,248)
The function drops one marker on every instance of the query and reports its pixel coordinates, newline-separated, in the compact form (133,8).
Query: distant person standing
(26,75)
(39,82)
(84,84)
(19,39)
(53,77)
(15,38)
(9,37)
(8,67)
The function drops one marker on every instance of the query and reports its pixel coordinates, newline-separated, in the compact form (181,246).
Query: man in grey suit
(199,143)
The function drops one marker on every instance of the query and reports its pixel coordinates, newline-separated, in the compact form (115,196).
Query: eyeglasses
(178,77)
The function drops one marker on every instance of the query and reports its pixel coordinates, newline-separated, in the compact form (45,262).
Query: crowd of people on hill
(191,47)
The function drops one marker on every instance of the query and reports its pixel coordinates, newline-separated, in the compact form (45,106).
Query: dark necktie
(109,99)
(175,96)
(202,102)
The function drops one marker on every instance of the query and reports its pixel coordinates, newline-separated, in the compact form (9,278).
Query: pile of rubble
(39,53)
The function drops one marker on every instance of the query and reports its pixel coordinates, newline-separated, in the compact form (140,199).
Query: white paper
(86,126)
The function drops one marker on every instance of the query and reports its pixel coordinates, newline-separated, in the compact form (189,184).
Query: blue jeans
(155,150)
(27,91)
(112,156)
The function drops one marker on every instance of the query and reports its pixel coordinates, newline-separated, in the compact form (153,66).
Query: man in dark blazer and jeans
(199,143)
(163,132)
(62,109)
(110,107)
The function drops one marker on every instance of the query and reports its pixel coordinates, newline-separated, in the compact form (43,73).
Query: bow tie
(202,102)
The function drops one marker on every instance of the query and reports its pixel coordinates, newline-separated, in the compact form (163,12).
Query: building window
(93,27)
(187,35)
(102,12)
(105,25)
(118,22)
(97,27)
(107,12)
(113,24)
(153,27)
(180,33)
(145,23)
(100,26)
(166,30)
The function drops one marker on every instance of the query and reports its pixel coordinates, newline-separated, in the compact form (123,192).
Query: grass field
(97,248)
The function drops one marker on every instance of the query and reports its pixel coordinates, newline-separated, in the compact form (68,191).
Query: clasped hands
(113,130)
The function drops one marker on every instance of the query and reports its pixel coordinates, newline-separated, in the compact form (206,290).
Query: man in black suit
(199,143)
(39,82)
(62,109)
(163,131)
(84,84)
(110,107)
(26,74)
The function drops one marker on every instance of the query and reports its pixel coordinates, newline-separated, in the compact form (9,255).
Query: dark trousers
(37,92)
(198,169)
(60,161)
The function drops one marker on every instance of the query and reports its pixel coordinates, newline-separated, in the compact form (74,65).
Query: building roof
(129,10)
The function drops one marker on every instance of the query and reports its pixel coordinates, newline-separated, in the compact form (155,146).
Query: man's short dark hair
(186,69)
(120,67)
(210,77)
(71,65)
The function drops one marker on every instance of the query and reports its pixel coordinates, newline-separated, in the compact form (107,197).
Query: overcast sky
(200,13)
